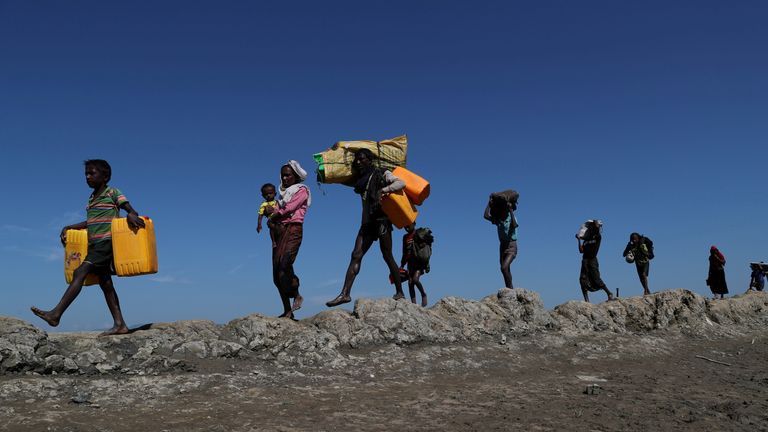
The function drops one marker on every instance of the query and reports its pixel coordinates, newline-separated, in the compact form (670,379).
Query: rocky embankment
(331,337)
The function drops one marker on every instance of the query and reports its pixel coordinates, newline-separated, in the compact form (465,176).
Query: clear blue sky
(652,116)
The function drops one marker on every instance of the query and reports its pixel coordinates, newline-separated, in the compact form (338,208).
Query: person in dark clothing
(716,277)
(757,278)
(416,268)
(371,183)
(589,245)
(639,253)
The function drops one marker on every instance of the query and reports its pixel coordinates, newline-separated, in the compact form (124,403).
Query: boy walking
(104,205)
(417,266)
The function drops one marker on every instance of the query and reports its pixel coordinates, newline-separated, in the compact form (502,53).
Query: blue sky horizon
(648,116)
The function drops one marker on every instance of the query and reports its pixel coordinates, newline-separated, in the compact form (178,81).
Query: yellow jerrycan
(399,209)
(75,252)
(135,252)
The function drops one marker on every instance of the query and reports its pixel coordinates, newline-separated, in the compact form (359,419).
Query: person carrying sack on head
(500,212)
(589,277)
(371,183)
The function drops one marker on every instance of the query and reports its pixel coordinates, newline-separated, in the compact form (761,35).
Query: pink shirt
(294,210)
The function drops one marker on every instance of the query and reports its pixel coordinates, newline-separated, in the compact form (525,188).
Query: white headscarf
(286,194)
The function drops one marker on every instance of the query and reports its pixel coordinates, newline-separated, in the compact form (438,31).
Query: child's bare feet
(424,300)
(413,300)
(398,296)
(297,303)
(116,330)
(45,316)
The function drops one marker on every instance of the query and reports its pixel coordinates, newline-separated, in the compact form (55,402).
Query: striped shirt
(101,210)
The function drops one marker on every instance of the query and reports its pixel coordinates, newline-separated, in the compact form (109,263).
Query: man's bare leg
(362,244)
(385,244)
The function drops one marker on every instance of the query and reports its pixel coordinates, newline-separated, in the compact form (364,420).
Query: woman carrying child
(371,184)
(288,219)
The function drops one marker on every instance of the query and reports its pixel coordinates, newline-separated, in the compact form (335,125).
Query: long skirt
(589,277)
(288,238)
(716,281)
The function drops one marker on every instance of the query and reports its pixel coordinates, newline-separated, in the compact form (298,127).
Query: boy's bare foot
(116,330)
(424,301)
(398,296)
(413,300)
(297,303)
(340,299)
(45,316)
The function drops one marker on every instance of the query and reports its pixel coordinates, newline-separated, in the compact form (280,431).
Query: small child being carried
(268,193)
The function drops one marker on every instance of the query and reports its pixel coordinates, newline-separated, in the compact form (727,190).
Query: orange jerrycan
(135,252)
(75,252)
(399,209)
(416,187)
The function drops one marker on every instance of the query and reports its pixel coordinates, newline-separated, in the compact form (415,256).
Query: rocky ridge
(331,337)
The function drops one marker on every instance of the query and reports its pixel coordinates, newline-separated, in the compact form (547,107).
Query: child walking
(268,193)
(104,205)
(416,268)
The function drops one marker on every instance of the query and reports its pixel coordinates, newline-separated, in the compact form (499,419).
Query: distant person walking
(757,278)
(371,184)
(589,244)
(640,253)
(287,217)
(104,205)
(500,211)
(417,249)
(716,278)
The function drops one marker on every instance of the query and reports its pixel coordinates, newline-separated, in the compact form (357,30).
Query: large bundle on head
(502,203)
(335,164)
(508,196)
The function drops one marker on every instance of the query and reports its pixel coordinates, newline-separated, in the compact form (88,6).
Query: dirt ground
(535,383)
